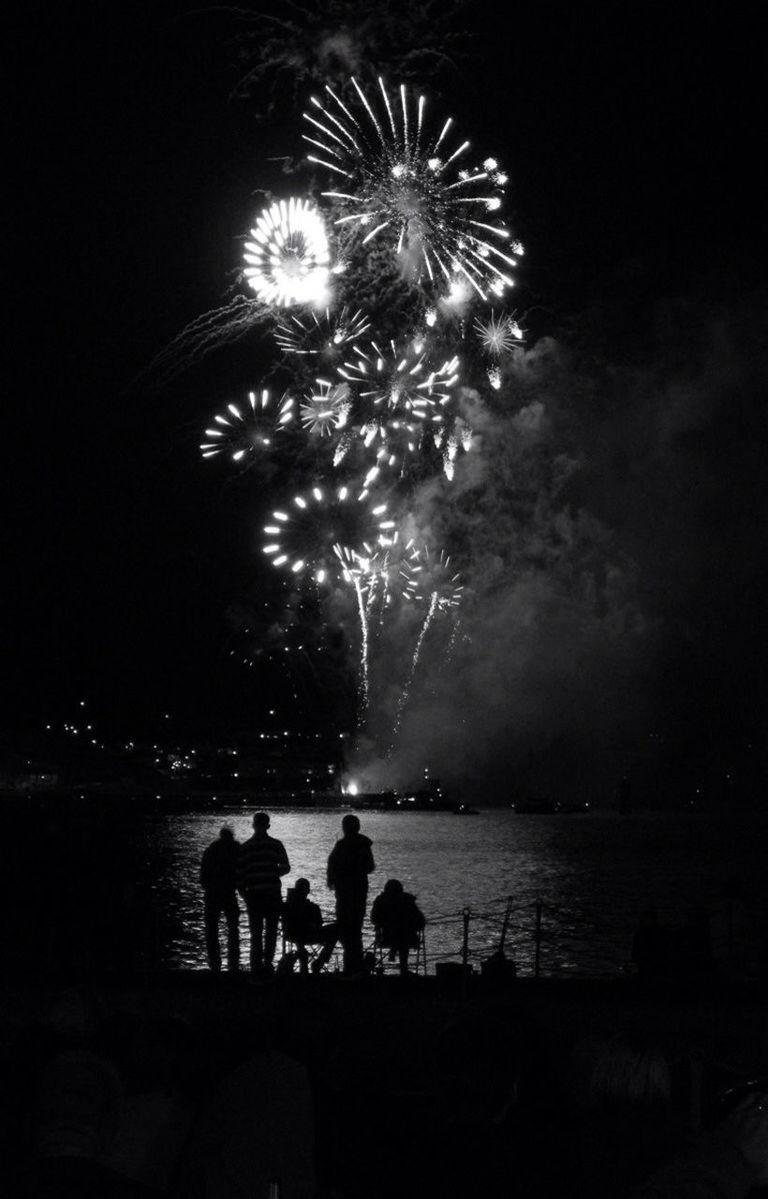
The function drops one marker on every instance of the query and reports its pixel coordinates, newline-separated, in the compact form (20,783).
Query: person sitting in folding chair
(303,925)
(398,922)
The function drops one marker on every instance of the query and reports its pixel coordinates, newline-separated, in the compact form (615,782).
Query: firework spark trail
(364,685)
(219,327)
(448,442)
(433,607)
(451,645)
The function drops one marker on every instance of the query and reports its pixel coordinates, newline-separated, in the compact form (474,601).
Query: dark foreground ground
(382,1086)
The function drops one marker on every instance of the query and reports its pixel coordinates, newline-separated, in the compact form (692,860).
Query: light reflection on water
(600,873)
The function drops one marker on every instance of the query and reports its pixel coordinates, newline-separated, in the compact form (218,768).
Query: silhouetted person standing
(261,863)
(349,864)
(217,876)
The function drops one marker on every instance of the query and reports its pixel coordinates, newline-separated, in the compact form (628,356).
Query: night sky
(634,139)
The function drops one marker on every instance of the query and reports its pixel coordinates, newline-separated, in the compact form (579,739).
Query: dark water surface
(595,875)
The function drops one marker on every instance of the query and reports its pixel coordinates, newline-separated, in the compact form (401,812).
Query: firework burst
(321,337)
(432,578)
(289,258)
(326,410)
(382,571)
(498,335)
(398,379)
(248,429)
(409,187)
(314,530)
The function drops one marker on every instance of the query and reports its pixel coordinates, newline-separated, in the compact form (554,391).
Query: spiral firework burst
(288,257)
(326,410)
(311,532)
(248,429)
(409,187)
(321,337)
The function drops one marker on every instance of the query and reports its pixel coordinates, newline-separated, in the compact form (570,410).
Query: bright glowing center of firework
(408,202)
(291,266)
(288,256)
(292,258)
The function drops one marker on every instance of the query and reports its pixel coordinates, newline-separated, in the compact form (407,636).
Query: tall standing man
(261,863)
(217,877)
(349,864)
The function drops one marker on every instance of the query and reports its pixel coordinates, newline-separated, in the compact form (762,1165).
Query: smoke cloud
(604,525)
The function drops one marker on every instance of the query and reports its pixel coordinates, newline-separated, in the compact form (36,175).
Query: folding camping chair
(295,947)
(385,958)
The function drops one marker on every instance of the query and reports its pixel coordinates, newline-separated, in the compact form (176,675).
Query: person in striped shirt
(261,863)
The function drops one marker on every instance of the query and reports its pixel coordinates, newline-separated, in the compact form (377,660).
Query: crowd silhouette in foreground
(253,870)
(117,1102)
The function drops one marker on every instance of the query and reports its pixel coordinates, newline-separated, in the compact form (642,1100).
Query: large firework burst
(313,531)
(248,429)
(410,187)
(289,258)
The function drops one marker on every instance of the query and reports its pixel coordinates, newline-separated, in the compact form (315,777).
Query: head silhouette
(624,1070)
(260,822)
(350,824)
(227,834)
(393,886)
(301,888)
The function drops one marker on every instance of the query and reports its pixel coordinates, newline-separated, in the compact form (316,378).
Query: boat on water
(463,809)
